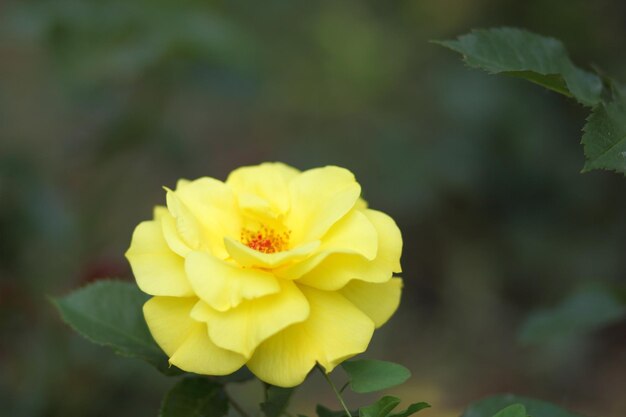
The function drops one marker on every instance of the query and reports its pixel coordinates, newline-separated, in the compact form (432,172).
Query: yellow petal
(168,320)
(331,271)
(206,211)
(157,269)
(198,354)
(172,237)
(243,328)
(268,182)
(248,257)
(223,285)
(334,331)
(318,199)
(378,301)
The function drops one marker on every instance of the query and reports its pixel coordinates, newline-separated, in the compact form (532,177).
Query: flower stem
(337,393)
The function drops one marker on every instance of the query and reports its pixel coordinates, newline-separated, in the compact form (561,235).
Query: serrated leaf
(488,407)
(582,312)
(195,397)
(384,407)
(604,139)
(519,53)
(110,313)
(515,410)
(277,401)
(326,412)
(368,375)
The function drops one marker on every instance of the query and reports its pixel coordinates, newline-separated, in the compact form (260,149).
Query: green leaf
(412,409)
(277,401)
(367,375)
(526,55)
(490,406)
(582,312)
(384,407)
(515,410)
(325,412)
(195,397)
(110,313)
(604,139)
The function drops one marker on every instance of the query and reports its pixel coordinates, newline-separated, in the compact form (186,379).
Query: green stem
(337,393)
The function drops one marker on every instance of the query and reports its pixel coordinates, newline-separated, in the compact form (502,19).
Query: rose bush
(274,268)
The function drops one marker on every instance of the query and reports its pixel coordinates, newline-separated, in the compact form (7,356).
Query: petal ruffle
(157,269)
(318,199)
(334,331)
(243,328)
(263,188)
(248,257)
(200,355)
(168,320)
(206,211)
(224,285)
(332,271)
(378,301)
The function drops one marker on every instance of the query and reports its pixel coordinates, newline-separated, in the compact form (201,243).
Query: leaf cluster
(545,61)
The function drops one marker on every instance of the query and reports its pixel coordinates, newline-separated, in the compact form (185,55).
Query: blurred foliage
(102,103)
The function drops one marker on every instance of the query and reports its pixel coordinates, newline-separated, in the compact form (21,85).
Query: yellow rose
(275,269)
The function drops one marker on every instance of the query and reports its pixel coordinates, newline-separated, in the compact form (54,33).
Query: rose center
(265,240)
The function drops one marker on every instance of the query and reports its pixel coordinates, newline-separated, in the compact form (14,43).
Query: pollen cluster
(266,240)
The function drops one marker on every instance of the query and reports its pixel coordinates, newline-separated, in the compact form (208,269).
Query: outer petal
(206,211)
(168,320)
(318,199)
(248,257)
(224,285)
(157,269)
(267,182)
(331,271)
(243,328)
(200,355)
(378,301)
(334,331)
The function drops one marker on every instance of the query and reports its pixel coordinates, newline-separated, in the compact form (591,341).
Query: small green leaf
(381,408)
(368,375)
(526,55)
(490,406)
(195,397)
(515,410)
(584,311)
(412,409)
(110,313)
(605,135)
(277,401)
(325,412)
(384,407)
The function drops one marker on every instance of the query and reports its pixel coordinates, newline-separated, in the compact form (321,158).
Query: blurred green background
(104,102)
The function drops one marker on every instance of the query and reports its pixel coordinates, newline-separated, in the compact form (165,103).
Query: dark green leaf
(515,410)
(488,407)
(195,397)
(277,401)
(412,409)
(325,412)
(384,407)
(526,55)
(582,312)
(241,375)
(605,135)
(368,375)
(381,408)
(110,313)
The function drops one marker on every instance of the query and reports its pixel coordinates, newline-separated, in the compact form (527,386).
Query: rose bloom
(275,269)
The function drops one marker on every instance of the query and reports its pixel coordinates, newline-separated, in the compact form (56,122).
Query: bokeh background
(104,102)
